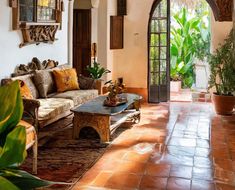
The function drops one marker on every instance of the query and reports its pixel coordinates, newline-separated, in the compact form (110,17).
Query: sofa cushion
(29,82)
(52,107)
(66,79)
(45,83)
(24,90)
(78,96)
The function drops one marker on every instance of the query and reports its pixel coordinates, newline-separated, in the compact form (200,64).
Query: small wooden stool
(31,141)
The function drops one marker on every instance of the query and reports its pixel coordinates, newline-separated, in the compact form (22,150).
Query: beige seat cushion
(78,96)
(52,107)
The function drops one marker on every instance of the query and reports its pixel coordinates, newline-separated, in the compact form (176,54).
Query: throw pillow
(24,90)
(86,82)
(66,79)
(44,82)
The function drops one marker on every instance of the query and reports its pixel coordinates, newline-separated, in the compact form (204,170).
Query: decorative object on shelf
(35,34)
(115,95)
(39,21)
(222,77)
(34,65)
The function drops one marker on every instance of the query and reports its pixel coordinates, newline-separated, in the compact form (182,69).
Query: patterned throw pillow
(44,82)
(86,82)
(66,79)
(24,90)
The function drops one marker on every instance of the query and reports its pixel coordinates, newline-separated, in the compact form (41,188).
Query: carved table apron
(104,123)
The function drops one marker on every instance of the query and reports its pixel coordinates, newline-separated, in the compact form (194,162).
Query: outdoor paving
(175,146)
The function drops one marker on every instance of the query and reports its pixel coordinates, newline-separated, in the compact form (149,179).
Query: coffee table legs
(98,122)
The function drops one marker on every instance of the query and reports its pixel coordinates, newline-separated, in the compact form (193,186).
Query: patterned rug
(63,159)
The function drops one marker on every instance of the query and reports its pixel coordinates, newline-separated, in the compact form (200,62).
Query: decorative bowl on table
(115,95)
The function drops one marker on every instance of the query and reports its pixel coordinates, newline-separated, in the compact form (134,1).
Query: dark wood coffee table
(105,119)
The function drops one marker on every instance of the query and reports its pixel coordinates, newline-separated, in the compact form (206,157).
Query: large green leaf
(7,185)
(26,181)
(13,152)
(11,109)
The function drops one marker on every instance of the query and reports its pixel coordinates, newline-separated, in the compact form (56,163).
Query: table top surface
(96,106)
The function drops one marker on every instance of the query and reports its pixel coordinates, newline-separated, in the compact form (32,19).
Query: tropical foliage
(96,71)
(13,143)
(223,68)
(190,40)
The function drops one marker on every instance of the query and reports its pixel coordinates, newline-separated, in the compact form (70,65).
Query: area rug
(63,159)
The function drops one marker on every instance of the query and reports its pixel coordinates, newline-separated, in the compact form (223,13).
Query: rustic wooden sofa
(31,142)
(41,111)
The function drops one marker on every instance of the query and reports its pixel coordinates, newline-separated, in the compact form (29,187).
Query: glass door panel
(159,53)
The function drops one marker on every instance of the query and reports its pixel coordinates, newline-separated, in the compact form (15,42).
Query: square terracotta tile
(120,180)
(178,184)
(136,157)
(202,143)
(202,185)
(225,164)
(101,179)
(202,152)
(131,167)
(221,186)
(181,150)
(202,162)
(186,142)
(158,170)
(181,171)
(176,160)
(151,182)
(203,173)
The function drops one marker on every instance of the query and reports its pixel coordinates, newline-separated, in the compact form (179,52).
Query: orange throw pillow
(24,90)
(66,79)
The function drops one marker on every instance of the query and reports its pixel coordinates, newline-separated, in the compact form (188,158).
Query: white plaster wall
(10,53)
(219,31)
(94,23)
(131,63)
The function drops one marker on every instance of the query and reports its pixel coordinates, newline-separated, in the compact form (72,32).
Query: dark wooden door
(81,40)
(159,52)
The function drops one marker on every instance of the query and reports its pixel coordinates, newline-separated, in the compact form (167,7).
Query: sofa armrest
(31,111)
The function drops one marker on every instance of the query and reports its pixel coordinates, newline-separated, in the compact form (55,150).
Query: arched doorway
(159,50)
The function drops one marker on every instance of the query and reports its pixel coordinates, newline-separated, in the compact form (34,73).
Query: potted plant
(222,78)
(96,71)
(13,143)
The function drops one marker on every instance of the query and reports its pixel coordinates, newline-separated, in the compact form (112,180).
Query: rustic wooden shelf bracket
(38,33)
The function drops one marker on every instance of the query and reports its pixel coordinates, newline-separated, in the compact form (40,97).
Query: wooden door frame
(90,37)
(154,6)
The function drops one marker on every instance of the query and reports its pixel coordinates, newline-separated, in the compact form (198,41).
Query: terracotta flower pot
(175,86)
(223,104)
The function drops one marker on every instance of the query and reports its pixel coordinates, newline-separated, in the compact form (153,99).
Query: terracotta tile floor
(175,146)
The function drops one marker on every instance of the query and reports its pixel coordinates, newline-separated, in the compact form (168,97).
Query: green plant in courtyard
(13,143)
(190,39)
(223,68)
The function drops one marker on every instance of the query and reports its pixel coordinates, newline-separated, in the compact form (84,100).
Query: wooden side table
(105,119)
